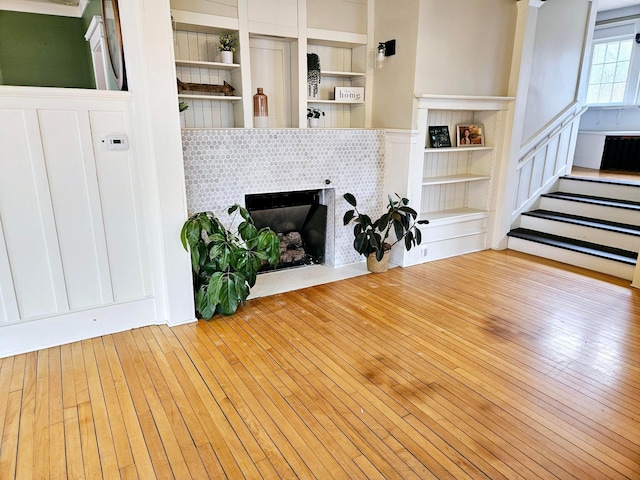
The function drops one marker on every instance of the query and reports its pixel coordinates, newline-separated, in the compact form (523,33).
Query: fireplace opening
(300,221)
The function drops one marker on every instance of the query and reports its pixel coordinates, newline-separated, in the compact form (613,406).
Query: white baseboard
(59,330)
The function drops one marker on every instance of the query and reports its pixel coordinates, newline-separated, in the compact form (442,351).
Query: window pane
(621,72)
(592,93)
(625,51)
(598,53)
(612,52)
(617,95)
(605,93)
(609,71)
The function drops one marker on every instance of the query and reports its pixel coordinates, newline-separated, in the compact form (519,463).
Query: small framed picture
(470,135)
(439,136)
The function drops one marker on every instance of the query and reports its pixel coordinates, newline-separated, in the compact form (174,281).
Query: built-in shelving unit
(197,61)
(343,64)
(453,187)
(272,54)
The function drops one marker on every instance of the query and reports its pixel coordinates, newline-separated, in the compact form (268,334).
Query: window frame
(616,32)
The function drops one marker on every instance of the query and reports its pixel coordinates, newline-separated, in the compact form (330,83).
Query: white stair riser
(581,232)
(613,214)
(602,265)
(597,189)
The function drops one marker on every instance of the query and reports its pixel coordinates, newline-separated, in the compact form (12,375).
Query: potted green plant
(227,45)
(370,237)
(225,263)
(313,114)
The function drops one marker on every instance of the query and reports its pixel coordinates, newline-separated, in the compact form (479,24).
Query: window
(609,71)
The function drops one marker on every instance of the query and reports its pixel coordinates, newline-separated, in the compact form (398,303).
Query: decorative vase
(260,110)
(314,122)
(183,121)
(375,266)
(226,56)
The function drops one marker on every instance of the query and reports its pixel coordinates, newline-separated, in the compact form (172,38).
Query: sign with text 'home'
(349,94)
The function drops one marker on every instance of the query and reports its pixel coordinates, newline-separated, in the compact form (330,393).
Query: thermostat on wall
(117,142)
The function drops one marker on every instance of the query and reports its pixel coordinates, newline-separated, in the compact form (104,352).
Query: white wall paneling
(544,159)
(71,216)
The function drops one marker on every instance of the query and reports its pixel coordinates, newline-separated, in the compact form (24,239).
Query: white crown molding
(44,8)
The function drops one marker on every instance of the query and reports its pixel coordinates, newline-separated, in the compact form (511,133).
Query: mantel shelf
(454,179)
(221,98)
(455,149)
(212,65)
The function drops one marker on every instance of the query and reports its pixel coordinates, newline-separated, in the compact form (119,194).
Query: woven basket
(375,266)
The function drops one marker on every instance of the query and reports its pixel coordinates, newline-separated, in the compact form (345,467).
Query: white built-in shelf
(223,98)
(333,102)
(454,179)
(325,73)
(453,215)
(454,149)
(212,65)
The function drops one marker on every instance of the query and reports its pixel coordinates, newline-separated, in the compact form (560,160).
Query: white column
(523,46)
(151,74)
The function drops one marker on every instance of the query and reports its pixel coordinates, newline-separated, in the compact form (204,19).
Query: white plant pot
(226,56)
(183,121)
(314,122)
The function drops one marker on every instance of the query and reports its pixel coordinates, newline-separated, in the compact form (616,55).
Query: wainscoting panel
(545,158)
(71,220)
(221,166)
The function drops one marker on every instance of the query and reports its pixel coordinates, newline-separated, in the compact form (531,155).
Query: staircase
(590,223)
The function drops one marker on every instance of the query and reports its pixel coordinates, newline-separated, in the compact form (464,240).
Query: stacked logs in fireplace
(291,247)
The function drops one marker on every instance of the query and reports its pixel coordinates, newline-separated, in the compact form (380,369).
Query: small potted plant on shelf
(227,45)
(371,236)
(225,262)
(313,114)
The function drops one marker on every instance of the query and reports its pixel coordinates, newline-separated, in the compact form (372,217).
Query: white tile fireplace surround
(223,165)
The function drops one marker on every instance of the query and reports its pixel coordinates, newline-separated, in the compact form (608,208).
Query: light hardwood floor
(493,365)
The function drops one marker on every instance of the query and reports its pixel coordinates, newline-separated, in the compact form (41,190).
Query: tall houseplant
(225,263)
(371,237)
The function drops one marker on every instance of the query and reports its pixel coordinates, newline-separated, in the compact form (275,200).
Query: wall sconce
(385,49)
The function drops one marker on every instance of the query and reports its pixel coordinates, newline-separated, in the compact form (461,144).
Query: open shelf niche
(198,61)
(453,187)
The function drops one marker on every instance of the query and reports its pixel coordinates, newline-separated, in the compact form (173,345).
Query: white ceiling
(613,4)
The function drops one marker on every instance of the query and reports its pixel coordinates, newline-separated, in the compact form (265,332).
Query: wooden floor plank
(494,365)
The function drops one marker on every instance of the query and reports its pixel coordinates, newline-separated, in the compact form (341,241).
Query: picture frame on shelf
(470,135)
(439,136)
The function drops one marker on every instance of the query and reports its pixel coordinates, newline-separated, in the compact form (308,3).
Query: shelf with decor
(343,64)
(218,98)
(211,65)
(333,102)
(453,187)
(198,65)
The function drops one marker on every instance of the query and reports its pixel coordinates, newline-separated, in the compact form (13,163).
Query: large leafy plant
(225,263)
(371,236)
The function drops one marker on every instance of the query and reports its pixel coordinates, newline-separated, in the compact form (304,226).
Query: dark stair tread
(608,181)
(610,253)
(585,221)
(607,202)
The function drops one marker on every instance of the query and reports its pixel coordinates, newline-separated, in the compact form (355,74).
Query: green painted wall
(44,51)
